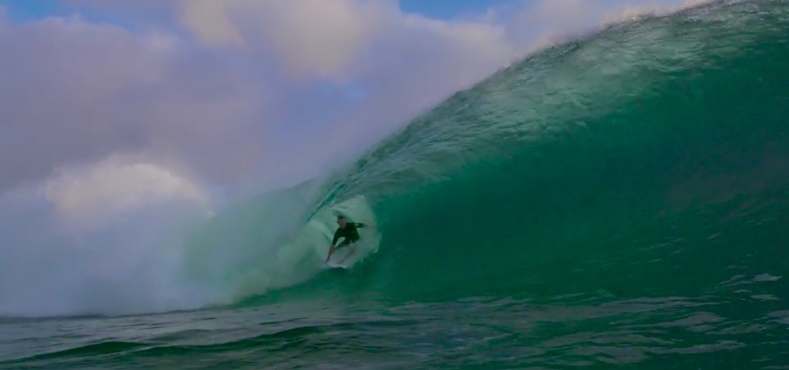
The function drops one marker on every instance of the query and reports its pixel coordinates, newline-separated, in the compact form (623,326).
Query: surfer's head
(341,220)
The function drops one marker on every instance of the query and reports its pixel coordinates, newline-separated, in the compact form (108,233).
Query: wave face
(649,159)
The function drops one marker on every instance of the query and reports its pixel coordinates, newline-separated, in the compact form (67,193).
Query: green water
(620,200)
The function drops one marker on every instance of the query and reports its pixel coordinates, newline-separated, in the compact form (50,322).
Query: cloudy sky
(245,94)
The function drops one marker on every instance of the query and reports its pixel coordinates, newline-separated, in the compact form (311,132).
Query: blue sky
(447,9)
(29,9)
(441,9)
(26,10)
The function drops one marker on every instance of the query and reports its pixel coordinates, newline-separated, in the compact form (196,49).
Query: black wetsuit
(349,232)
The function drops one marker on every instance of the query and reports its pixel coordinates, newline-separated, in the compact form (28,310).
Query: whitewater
(616,199)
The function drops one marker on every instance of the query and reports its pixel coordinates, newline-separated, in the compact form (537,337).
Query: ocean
(617,200)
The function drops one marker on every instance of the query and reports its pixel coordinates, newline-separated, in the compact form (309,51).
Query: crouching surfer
(347,230)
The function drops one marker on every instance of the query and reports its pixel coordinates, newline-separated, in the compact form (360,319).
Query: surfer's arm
(336,238)
(333,243)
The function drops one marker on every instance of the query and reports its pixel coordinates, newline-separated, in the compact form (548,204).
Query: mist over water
(123,237)
(100,239)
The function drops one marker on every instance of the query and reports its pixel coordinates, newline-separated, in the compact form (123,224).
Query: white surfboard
(342,255)
(334,264)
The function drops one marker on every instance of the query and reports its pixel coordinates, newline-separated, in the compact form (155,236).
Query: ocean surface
(619,200)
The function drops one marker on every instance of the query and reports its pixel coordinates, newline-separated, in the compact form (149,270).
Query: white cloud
(209,22)
(76,91)
(85,197)
(307,37)
(106,237)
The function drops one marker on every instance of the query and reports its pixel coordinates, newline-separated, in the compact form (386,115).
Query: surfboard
(341,255)
(336,265)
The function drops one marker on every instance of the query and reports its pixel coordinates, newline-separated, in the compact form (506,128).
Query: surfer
(347,230)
